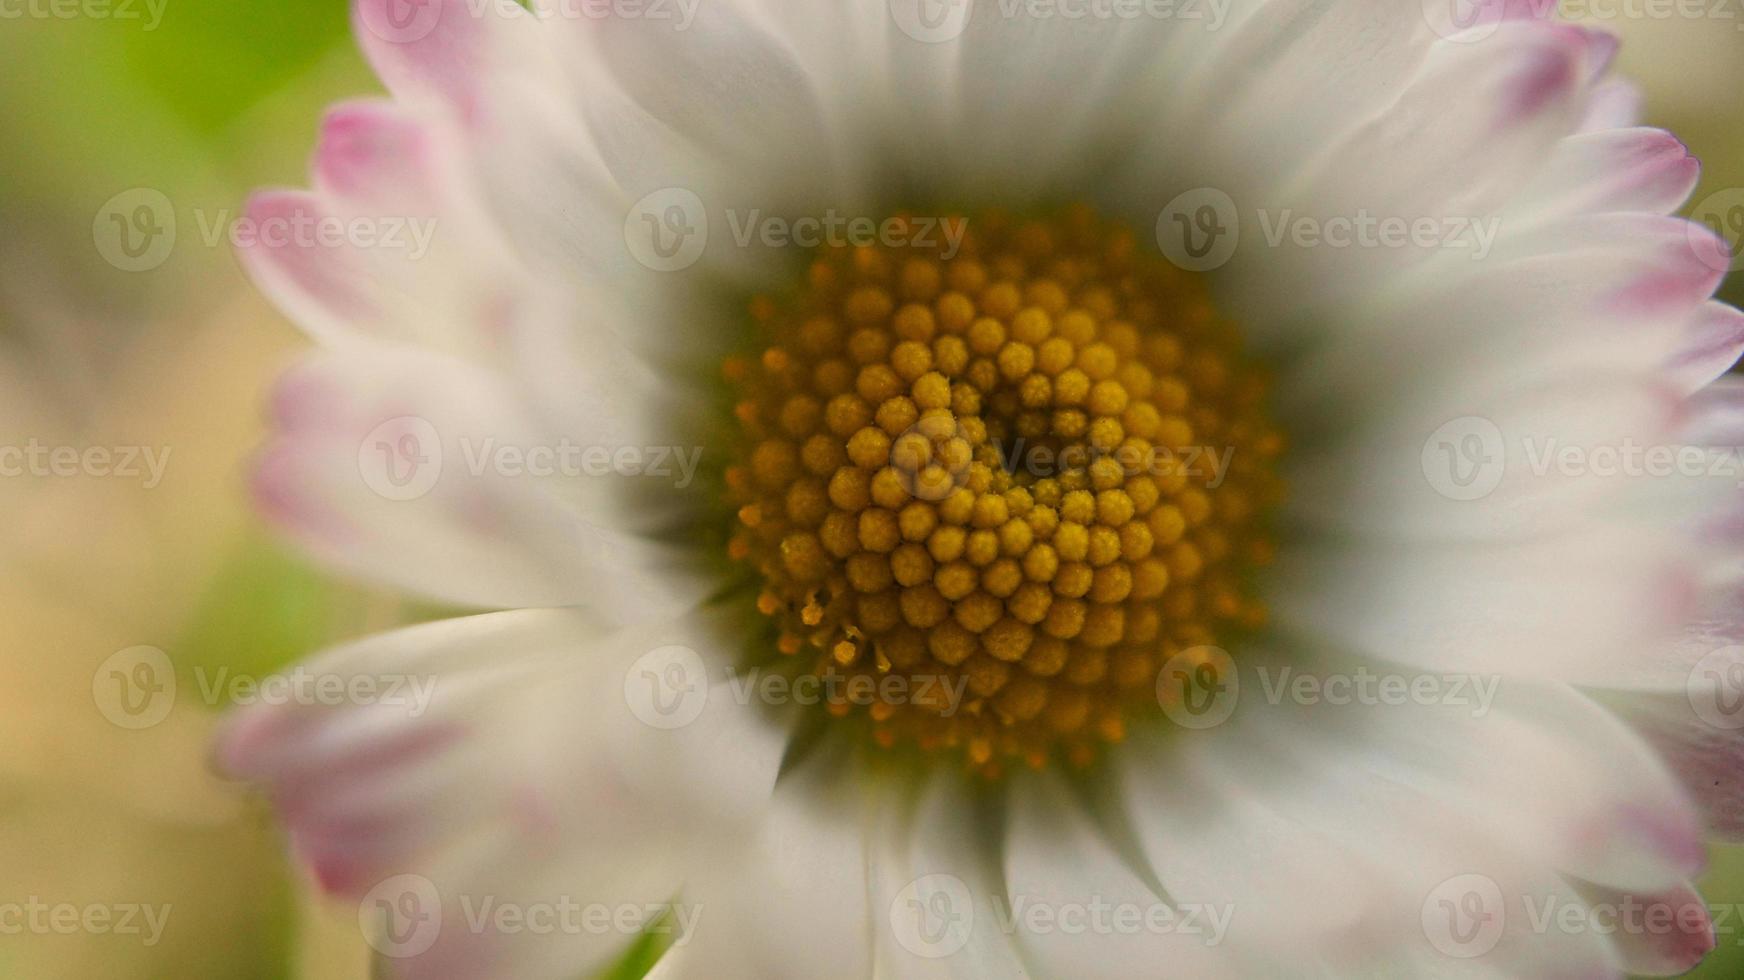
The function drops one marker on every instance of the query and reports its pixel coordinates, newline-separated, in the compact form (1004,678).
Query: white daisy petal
(1360,846)
(1661,934)
(1635,169)
(503,765)
(1016,123)
(1712,345)
(1616,104)
(439,53)
(1080,910)
(1464,136)
(1706,756)
(385,463)
(728,87)
(792,901)
(933,880)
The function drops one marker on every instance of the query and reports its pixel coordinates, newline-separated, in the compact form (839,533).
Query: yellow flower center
(989,494)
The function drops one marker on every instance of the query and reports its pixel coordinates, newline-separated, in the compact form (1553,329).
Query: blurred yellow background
(202,100)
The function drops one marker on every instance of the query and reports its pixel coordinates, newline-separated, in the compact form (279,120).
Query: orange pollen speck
(1018,479)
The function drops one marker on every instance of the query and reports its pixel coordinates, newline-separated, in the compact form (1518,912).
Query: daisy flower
(996,489)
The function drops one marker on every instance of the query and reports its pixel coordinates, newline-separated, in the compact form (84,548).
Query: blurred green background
(204,100)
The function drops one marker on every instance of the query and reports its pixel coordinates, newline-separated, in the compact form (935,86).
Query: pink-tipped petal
(1714,342)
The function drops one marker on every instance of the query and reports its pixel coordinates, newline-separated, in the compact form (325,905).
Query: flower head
(979,491)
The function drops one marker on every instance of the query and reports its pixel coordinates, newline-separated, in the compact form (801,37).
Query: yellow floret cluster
(1019,478)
